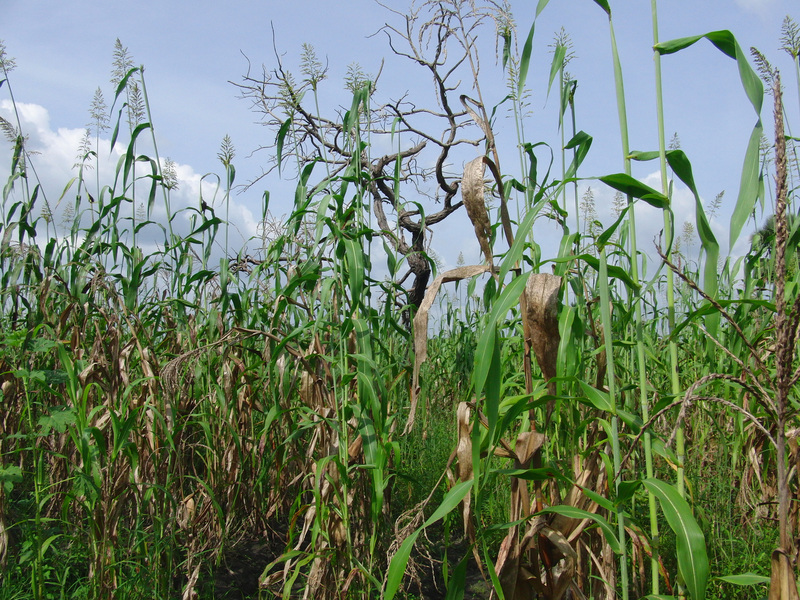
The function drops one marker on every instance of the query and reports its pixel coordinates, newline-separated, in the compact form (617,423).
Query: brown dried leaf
(421,327)
(189,593)
(782,585)
(186,512)
(464,455)
(541,293)
(593,477)
(472,190)
(514,578)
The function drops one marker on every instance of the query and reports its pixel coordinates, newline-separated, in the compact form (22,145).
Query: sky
(194,53)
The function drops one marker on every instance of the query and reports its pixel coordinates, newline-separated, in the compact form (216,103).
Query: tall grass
(160,415)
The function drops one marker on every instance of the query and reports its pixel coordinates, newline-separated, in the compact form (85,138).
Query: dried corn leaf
(541,293)
(593,477)
(464,455)
(567,574)
(421,327)
(189,592)
(472,190)
(515,579)
(505,218)
(782,585)
(465,473)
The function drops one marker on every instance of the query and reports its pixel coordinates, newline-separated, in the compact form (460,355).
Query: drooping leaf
(581,142)
(683,169)
(613,270)
(604,5)
(633,187)
(541,293)
(726,42)
(691,544)
(749,185)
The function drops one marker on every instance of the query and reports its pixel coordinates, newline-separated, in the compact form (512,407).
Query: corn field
(334,416)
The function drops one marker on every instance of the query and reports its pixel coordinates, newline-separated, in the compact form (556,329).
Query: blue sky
(192,51)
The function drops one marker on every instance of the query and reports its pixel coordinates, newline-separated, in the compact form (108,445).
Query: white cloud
(54,154)
(756,6)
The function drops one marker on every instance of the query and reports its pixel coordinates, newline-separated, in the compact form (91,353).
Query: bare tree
(437,36)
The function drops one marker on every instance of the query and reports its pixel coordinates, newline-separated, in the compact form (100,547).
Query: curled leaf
(472,190)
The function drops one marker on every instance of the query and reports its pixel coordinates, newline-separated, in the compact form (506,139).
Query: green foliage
(161,412)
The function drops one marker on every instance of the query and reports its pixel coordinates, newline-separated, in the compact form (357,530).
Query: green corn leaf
(749,185)
(498,588)
(644,155)
(514,254)
(525,60)
(46,544)
(613,271)
(114,133)
(625,491)
(540,474)
(458,581)
(493,396)
(744,579)
(129,154)
(604,237)
(506,35)
(596,398)
(604,5)
(123,83)
(486,347)
(706,308)
(633,187)
(725,41)
(451,500)
(206,224)
(679,163)
(391,261)
(279,140)
(360,98)
(570,87)
(355,269)
(582,142)
(540,7)
(555,66)
(691,544)
(566,355)
(683,169)
(600,500)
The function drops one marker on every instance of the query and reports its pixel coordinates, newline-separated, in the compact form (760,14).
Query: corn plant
(546,428)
